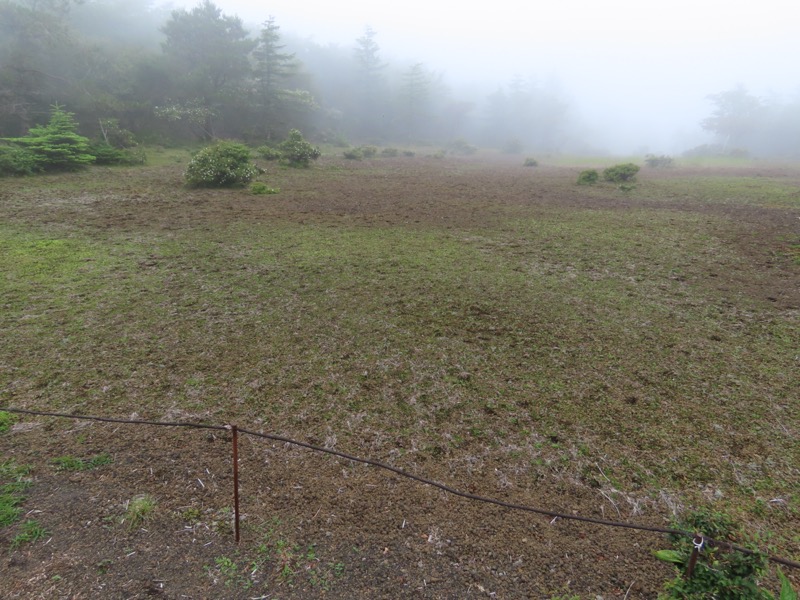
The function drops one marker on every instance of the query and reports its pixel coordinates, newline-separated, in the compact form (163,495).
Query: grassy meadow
(465,320)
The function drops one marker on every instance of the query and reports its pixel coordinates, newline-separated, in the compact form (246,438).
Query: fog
(581,77)
(636,75)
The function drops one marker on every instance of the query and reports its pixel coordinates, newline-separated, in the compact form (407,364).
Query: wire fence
(698,538)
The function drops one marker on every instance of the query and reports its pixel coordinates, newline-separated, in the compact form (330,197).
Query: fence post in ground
(698,543)
(235,432)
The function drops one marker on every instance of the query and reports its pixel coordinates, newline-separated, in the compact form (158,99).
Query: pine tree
(57,146)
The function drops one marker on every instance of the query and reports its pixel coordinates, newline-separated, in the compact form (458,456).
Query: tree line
(199,74)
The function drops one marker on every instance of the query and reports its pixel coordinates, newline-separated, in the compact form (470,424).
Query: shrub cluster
(17,161)
(530,162)
(621,173)
(658,162)
(224,164)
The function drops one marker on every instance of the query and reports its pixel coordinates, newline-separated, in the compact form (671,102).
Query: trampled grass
(600,345)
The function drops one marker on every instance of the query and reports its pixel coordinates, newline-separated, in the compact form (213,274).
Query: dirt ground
(373,533)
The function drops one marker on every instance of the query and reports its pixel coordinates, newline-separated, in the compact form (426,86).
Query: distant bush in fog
(621,173)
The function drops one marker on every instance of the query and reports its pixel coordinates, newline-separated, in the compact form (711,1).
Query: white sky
(626,65)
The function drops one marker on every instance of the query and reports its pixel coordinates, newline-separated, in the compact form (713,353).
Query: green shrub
(296,151)
(409,153)
(658,162)
(621,173)
(224,164)
(588,177)
(530,162)
(353,154)
(57,145)
(269,153)
(390,152)
(108,155)
(369,151)
(719,572)
(16,161)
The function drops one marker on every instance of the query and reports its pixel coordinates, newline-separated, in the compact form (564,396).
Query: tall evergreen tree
(371,101)
(415,100)
(273,74)
(212,51)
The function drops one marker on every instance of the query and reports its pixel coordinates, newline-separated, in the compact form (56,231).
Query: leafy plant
(369,151)
(719,572)
(588,177)
(224,164)
(390,152)
(621,173)
(57,145)
(296,151)
(530,162)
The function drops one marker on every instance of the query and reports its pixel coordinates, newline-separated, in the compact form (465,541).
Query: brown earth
(375,534)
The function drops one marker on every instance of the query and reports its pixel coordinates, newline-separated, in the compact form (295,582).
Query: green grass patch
(71,463)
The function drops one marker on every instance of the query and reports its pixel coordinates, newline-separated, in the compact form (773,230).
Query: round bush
(588,177)
(621,173)
(225,164)
(296,151)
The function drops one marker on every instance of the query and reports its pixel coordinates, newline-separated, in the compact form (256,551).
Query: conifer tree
(57,146)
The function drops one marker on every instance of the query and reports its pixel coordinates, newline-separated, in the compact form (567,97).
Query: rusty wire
(417,478)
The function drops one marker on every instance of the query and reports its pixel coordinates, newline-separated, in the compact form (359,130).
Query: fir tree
(57,146)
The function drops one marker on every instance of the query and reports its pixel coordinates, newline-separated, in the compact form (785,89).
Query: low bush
(353,154)
(17,161)
(224,164)
(108,155)
(369,151)
(621,173)
(390,152)
(658,162)
(269,153)
(588,177)
(530,162)
(296,151)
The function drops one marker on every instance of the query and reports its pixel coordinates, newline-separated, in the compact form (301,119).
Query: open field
(623,355)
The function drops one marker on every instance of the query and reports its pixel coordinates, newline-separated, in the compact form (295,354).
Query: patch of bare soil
(389,536)
(374,534)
